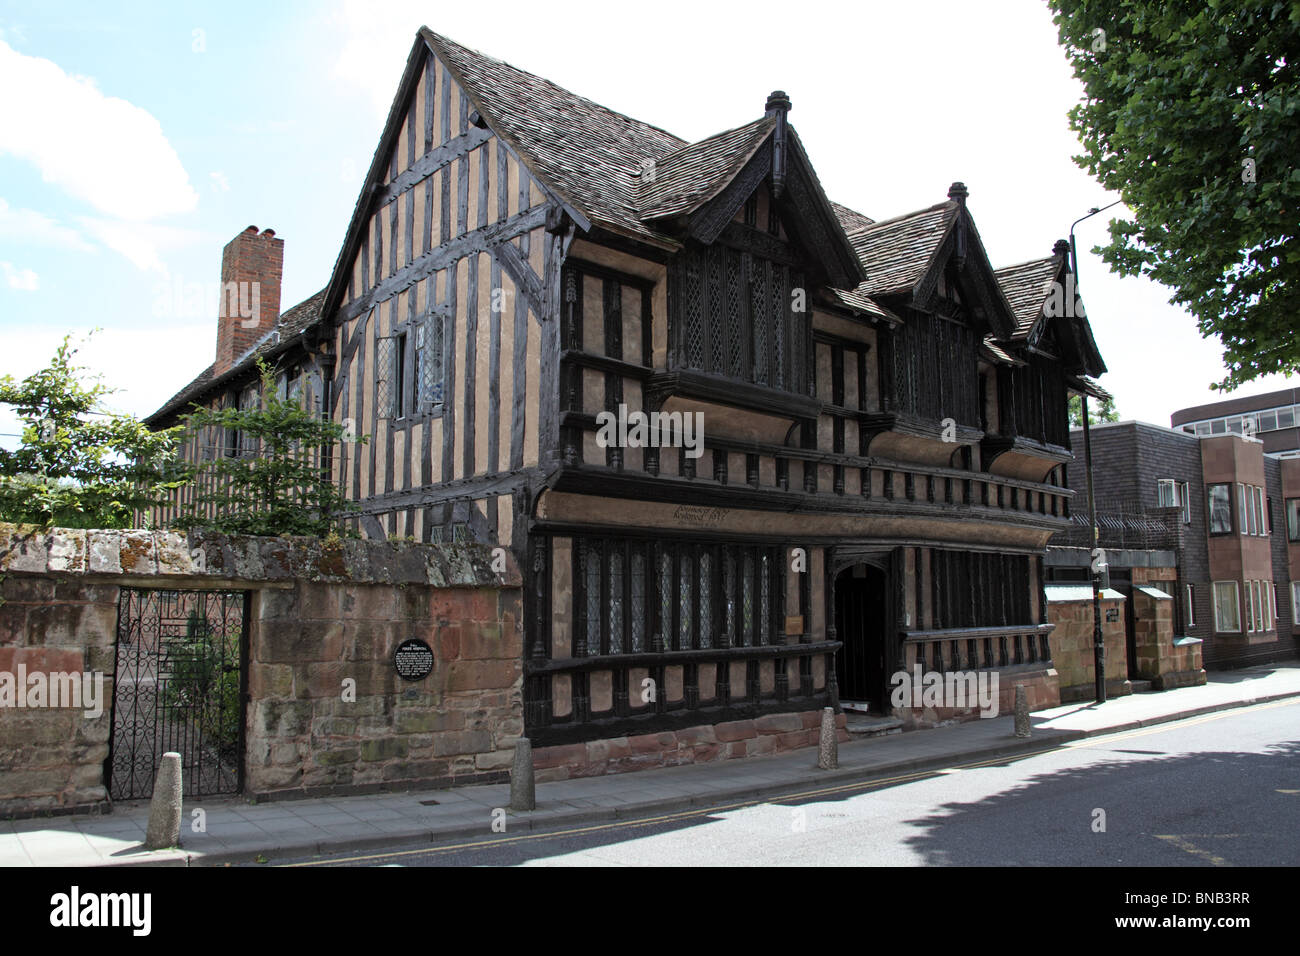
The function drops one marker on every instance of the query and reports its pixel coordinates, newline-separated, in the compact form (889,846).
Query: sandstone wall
(325,711)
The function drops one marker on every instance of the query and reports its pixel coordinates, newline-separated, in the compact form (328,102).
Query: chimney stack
(958,192)
(252,266)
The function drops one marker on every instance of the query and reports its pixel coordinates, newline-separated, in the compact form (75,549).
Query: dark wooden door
(861,605)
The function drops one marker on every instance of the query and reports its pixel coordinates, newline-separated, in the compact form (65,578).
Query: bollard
(523,784)
(828,748)
(1022,712)
(164,828)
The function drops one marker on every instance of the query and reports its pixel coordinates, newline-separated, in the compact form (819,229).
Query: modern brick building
(1274,418)
(1218,505)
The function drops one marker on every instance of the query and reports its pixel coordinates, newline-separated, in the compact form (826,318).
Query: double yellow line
(801,795)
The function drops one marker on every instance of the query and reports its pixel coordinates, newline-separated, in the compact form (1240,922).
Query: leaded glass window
(616,599)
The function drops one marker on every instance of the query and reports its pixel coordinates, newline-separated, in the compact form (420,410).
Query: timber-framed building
(885,413)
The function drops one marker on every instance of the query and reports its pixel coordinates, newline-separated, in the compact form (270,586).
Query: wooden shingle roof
(896,252)
(694,174)
(1026,286)
(587,153)
(291,324)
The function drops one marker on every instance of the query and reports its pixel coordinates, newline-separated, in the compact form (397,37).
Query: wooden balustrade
(792,689)
(977,648)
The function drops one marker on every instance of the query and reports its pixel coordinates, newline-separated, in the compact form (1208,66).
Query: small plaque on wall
(413,660)
(1112,614)
(794,625)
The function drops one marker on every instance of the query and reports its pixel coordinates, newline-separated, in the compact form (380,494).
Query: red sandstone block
(567,755)
(761,745)
(651,743)
(45,659)
(599,751)
(735,730)
(778,723)
(696,736)
(707,753)
(793,741)
(446,645)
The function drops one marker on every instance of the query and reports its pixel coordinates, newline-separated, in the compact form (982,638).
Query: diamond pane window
(591,558)
(686,582)
(665,596)
(616,599)
(638,610)
(706,599)
(747,600)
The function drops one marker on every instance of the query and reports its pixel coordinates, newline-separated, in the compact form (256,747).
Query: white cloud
(35,228)
(219,182)
(373,51)
(101,149)
(24,279)
(139,242)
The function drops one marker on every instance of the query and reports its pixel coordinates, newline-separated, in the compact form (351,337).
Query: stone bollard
(523,783)
(1022,711)
(164,828)
(828,748)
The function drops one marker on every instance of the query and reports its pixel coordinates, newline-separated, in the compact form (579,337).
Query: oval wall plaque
(413,659)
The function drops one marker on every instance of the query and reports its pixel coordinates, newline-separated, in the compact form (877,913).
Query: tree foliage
(77,464)
(276,483)
(1192,115)
(1103,411)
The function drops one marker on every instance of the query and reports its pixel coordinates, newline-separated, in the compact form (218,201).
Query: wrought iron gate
(178,686)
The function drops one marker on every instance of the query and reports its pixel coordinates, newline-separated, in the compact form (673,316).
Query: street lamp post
(1098,642)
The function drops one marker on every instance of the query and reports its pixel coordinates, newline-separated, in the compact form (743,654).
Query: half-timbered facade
(883,413)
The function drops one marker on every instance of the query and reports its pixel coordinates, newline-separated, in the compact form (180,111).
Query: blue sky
(137,139)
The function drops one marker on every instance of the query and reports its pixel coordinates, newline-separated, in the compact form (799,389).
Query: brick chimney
(252,266)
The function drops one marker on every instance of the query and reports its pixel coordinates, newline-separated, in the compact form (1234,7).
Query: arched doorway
(861,623)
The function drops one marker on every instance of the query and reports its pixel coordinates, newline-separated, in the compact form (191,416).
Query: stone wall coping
(1061,593)
(1184,641)
(201,557)
(1151,592)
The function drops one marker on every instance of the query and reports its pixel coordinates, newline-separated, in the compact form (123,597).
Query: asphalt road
(1218,790)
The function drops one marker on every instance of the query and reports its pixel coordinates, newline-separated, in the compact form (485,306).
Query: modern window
(1293,519)
(1227,607)
(1220,508)
(1185,499)
(1166,493)
(1257,604)
(1191,605)
(1250,613)
(1266,603)
(1243,509)
(1268,514)
(1259,508)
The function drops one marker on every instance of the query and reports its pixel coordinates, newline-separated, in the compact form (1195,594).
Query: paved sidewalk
(237,831)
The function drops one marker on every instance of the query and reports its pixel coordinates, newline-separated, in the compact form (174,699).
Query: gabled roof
(1027,286)
(590,155)
(850,219)
(285,333)
(694,174)
(897,252)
